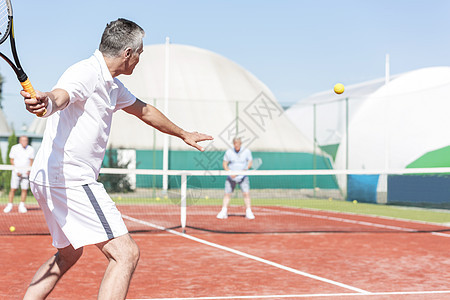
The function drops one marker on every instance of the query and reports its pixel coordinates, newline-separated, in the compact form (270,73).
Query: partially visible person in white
(21,157)
(237,159)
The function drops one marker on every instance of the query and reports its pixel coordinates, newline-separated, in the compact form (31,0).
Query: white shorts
(80,215)
(230,185)
(19,180)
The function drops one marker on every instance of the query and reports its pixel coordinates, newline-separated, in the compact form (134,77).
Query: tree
(2,187)
(5,176)
(12,140)
(1,90)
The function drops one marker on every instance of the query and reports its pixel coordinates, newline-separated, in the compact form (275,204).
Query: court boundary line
(365,223)
(441,234)
(375,216)
(252,257)
(304,295)
(338,219)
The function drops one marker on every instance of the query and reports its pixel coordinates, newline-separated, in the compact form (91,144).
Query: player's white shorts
(80,215)
(230,185)
(17,180)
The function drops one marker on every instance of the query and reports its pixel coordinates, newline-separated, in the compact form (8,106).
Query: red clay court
(347,257)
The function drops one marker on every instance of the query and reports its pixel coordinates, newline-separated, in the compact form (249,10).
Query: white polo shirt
(22,157)
(75,138)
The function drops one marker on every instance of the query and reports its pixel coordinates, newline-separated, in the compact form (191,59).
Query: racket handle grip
(27,87)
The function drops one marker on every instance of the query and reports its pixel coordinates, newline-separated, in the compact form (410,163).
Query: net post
(314,147)
(346,146)
(183,201)
(166,112)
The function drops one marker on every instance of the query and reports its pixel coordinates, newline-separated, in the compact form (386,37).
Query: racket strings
(4,18)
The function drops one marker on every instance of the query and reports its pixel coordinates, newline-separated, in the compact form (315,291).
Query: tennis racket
(7,30)
(257,162)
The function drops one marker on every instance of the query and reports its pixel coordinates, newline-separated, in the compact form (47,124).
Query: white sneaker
(223,214)
(249,214)
(22,208)
(8,208)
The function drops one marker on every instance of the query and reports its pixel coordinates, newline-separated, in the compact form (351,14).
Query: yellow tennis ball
(12,228)
(355,201)
(339,88)
(157,198)
(206,197)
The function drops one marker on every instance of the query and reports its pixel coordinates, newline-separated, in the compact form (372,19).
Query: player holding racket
(63,179)
(237,159)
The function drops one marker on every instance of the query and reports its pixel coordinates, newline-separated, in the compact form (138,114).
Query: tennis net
(283,201)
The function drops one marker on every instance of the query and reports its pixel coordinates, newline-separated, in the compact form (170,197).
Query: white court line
(370,224)
(441,234)
(378,217)
(305,295)
(276,265)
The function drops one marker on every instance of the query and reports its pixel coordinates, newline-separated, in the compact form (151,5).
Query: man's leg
(248,207)
(247,200)
(229,188)
(223,214)
(9,206)
(245,187)
(226,200)
(123,255)
(15,182)
(11,195)
(23,197)
(51,271)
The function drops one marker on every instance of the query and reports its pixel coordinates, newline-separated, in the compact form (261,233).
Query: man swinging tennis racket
(63,178)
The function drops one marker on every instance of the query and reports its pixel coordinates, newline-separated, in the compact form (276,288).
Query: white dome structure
(400,122)
(387,126)
(206,93)
(390,125)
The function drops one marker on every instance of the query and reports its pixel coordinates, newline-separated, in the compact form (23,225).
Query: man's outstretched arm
(153,117)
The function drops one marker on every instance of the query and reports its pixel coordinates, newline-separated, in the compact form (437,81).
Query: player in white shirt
(21,157)
(64,175)
(237,159)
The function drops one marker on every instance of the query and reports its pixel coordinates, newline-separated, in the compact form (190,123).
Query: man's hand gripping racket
(7,30)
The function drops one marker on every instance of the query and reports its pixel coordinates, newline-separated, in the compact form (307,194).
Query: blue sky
(296,47)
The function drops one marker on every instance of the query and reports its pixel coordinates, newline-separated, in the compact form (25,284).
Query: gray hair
(119,35)
(237,139)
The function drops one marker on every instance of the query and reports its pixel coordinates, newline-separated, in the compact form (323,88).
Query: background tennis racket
(257,162)
(7,30)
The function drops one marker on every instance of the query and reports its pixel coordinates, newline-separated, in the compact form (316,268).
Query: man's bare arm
(153,117)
